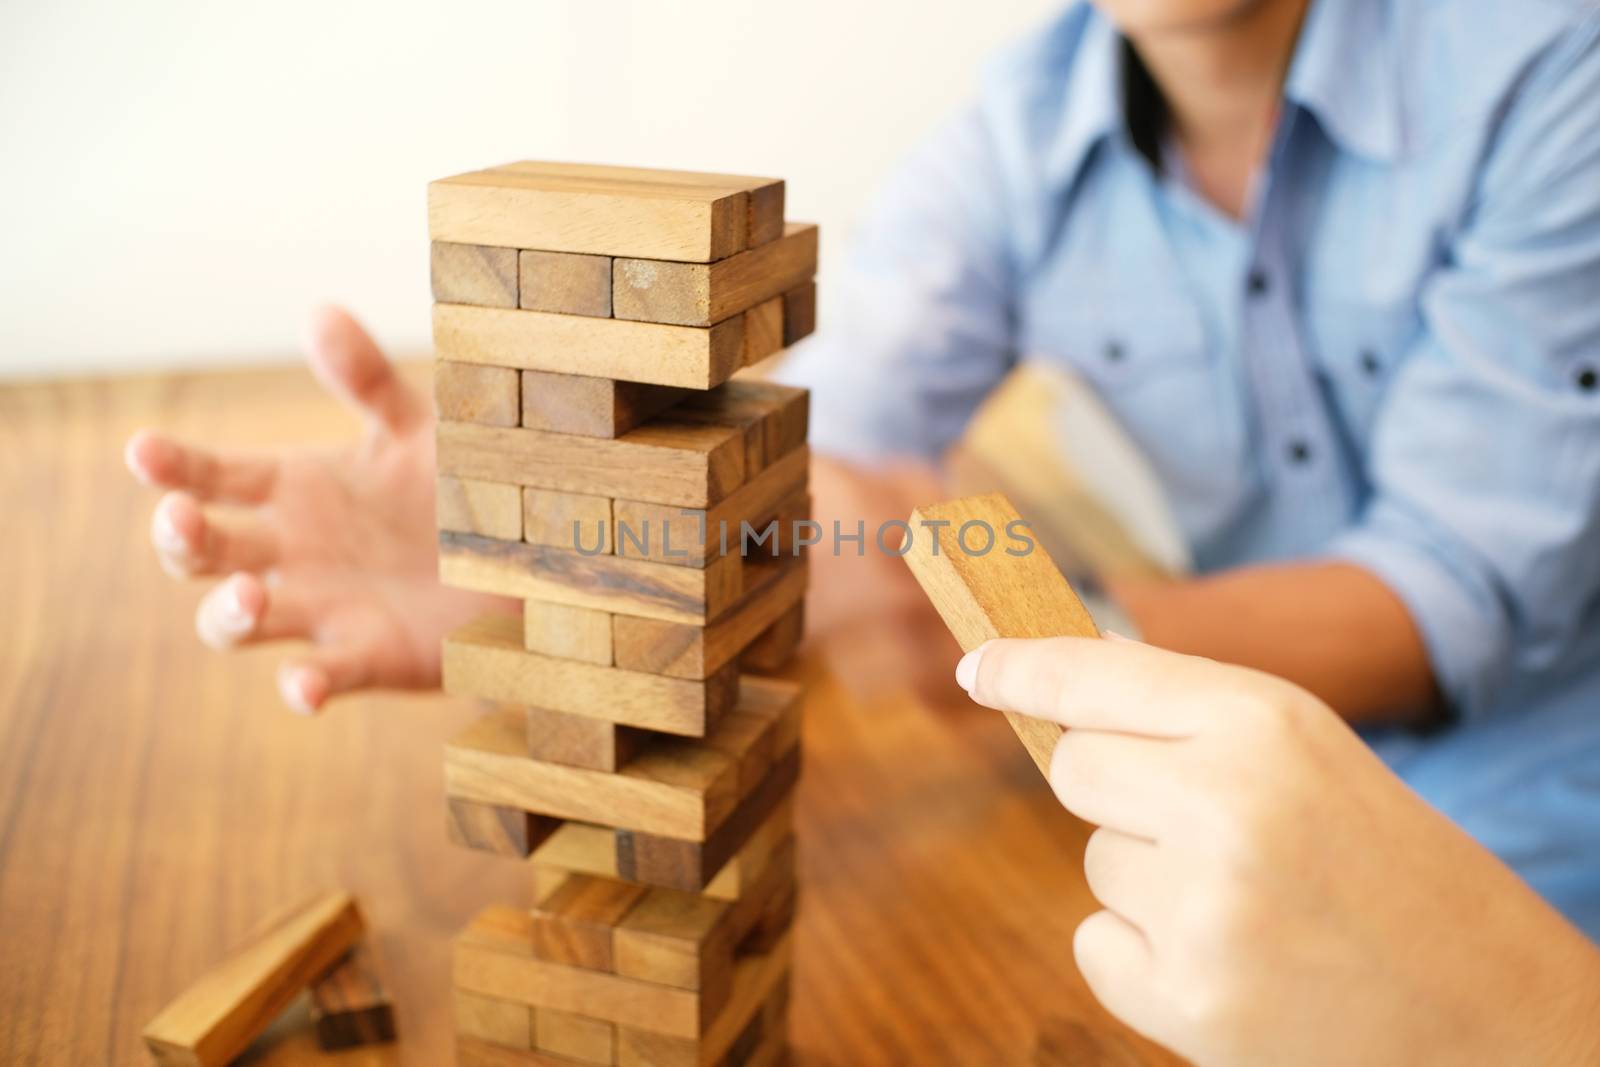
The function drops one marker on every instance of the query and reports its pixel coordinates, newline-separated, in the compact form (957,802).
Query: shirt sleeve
(1485,460)
(921,328)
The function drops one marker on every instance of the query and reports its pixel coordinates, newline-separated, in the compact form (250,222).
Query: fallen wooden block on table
(213,1021)
(996,593)
(350,1006)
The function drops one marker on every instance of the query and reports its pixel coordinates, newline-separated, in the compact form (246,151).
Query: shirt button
(1299,452)
(1588,378)
(1114,352)
(1369,362)
(1257,282)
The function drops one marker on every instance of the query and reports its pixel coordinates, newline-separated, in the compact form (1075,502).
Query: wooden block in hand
(996,594)
(665,461)
(350,1006)
(776,646)
(579,741)
(575,1037)
(485,659)
(572,521)
(591,407)
(489,509)
(799,313)
(574,924)
(567,632)
(475,274)
(470,392)
(505,831)
(680,650)
(212,1021)
(699,294)
(562,282)
(494,1020)
(602,210)
(604,583)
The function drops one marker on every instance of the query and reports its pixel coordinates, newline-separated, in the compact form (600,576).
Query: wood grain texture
(917,813)
(996,594)
(778,643)
(574,924)
(576,522)
(772,418)
(228,1006)
(763,332)
(699,294)
(485,659)
(350,1005)
(491,1019)
(681,650)
(603,210)
(603,583)
(503,830)
(475,274)
(470,392)
(469,505)
(576,1037)
(580,741)
(567,632)
(664,462)
(591,407)
(799,313)
(690,357)
(561,282)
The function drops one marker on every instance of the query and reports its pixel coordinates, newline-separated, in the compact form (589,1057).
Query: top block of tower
(609,211)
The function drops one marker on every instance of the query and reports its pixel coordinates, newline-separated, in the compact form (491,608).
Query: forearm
(1330,627)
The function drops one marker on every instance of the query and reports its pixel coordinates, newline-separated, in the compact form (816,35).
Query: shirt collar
(1092,104)
(1344,73)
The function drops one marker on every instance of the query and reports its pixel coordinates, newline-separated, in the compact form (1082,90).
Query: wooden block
(578,741)
(575,1036)
(591,407)
(469,392)
(567,632)
(490,509)
(680,650)
(475,274)
(349,1005)
(777,644)
(740,876)
(757,979)
(799,313)
(213,1020)
(664,462)
(574,924)
(561,282)
(604,583)
(699,294)
(475,1052)
(602,210)
(763,331)
(573,521)
(690,537)
(690,357)
(485,659)
(506,831)
(996,594)
(681,864)
(501,1022)
(772,418)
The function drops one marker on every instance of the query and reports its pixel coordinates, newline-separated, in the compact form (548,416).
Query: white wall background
(180,180)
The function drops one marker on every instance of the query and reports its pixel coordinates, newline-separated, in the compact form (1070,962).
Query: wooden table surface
(155,801)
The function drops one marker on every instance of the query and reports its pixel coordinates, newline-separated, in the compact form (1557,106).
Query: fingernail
(292,690)
(167,537)
(967,669)
(231,613)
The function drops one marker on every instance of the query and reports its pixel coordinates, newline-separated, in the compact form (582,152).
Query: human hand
(1273,894)
(335,546)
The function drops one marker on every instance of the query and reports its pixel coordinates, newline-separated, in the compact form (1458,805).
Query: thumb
(350,365)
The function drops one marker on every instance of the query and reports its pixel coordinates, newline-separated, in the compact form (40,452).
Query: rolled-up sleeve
(1485,459)
(920,330)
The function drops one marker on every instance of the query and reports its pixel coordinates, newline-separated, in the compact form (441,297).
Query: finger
(1117,965)
(350,365)
(1096,684)
(189,543)
(307,681)
(1126,876)
(243,610)
(1116,780)
(162,463)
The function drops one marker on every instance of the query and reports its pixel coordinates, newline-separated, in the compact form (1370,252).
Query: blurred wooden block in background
(500,1022)
(470,392)
(699,294)
(503,830)
(606,210)
(567,632)
(591,407)
(579,741)
(350,1006)
(225,1009)
(475,274)
(562,282)
(471,506)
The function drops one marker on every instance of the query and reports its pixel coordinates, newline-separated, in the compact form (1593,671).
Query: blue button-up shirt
(1393,361)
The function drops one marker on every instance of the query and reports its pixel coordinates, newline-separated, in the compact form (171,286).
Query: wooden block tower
(604,459)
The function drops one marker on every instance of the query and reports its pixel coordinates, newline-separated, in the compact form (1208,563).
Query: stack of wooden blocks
(600,461)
